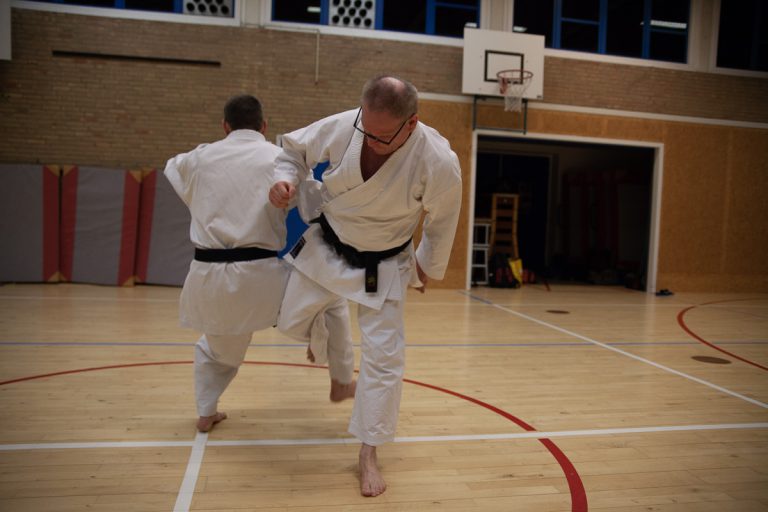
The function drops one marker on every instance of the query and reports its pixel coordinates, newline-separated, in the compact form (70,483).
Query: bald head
(386,93)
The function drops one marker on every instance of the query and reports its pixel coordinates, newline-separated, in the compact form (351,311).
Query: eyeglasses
(373,137)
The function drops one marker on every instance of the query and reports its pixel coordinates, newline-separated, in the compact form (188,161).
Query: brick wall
(55,106)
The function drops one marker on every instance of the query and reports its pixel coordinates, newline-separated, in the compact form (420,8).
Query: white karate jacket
(226,187)
(423,175)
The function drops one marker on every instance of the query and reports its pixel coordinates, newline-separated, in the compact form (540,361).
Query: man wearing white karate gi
(386,169)
(235,284)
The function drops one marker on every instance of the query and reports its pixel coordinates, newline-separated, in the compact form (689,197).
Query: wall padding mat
(99,223)
(29,223)
(164,249)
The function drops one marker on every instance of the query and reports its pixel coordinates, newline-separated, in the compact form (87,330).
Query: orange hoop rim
(507,77)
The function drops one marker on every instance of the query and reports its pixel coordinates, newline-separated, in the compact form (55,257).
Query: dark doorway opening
(584,208)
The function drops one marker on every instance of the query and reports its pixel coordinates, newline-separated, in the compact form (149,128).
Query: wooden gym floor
(570,399)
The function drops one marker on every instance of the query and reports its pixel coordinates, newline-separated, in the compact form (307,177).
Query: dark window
(438,17)
(204,7)
(581,9)
(625,28)
(668,46)
(668,31)
(299,11)
(467,3)
(579,36)
(89,3)
(534,17)
(405,16)
(163,5)
(674,11)
(578,25)
(451,22)
(649,29)
(743,36)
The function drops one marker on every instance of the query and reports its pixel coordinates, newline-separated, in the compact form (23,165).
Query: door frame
(656,189)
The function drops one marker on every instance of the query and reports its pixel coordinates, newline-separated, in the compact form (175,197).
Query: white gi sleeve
(442,203)
(303,149)
(179,172)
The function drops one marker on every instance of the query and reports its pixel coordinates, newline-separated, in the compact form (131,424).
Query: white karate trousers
(217,360)
(311,306)
(382,361)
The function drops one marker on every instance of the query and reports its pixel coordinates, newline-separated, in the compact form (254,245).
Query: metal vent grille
(352,13)
(223,8)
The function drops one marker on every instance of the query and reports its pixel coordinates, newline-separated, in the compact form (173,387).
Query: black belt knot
(369,260)
(232,255)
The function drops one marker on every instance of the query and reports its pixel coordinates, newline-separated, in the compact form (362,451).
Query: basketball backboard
(488,51)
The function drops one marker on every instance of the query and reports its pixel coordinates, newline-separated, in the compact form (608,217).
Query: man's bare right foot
(206,423)
(340,392)
(310,355)
(371,482)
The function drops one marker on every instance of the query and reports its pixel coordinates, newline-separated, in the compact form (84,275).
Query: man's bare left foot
(206,423)
(310,355)
(340,392)
(371,482)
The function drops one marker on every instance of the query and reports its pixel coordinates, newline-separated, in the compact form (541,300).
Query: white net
(512,84)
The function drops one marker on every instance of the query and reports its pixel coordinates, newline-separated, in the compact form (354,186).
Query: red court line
(575,485)
(83,370)
(578,494)
(687,329)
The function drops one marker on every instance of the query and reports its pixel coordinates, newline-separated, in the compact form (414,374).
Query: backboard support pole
(523,113)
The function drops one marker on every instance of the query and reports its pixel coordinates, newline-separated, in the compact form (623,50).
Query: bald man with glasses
(386,169)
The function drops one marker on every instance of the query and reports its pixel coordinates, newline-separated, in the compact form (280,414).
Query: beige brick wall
(122,112)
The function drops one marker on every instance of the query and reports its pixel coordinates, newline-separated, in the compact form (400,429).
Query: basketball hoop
(512,84)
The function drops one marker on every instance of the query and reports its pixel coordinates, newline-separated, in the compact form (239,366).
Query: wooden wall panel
(693,198)
(746,221)
(646,130)
(714,216)
(454,121)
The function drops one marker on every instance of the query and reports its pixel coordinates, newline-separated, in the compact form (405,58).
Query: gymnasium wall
(129,94)
(714,216)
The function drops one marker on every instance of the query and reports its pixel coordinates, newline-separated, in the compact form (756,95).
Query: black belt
(369,260)
(230,255)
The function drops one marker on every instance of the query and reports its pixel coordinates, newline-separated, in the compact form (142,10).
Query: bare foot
(206,423)
(340,392)
(371,481)
(310,355)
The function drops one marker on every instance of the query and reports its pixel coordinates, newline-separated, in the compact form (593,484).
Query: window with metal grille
(646,29)
(220,8)
(433,17)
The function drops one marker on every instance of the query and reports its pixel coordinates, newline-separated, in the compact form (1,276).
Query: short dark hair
(391,94)
(244,112)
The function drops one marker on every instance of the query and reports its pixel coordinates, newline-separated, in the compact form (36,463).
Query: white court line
(633,356)
(201,441)
(411,303)
(551,305)
(110,444)
(286,442)
(184,498)
(583,433)
(490,437)
(87,299)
